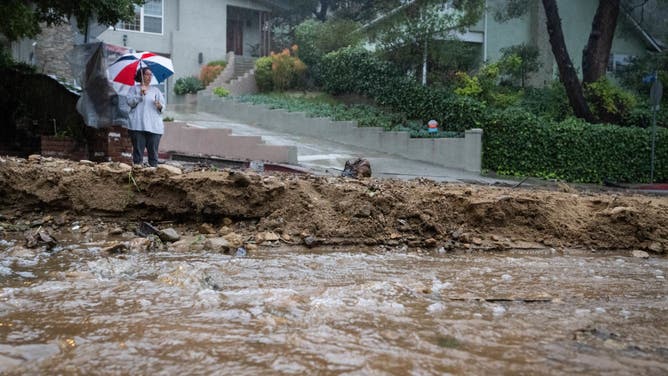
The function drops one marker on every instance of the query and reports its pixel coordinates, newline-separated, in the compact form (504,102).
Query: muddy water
(287,311)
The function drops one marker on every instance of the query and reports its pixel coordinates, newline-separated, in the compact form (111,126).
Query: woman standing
(146,125)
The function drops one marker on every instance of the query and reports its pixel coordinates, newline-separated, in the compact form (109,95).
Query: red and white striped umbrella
(124,69)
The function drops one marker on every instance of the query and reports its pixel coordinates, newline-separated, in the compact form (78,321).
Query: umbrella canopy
(124,69)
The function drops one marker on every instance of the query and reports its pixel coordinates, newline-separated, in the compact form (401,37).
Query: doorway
(235,36)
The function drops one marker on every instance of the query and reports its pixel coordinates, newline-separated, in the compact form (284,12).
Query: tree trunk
(424,62)
(597,52)
(321,14)
(567,73)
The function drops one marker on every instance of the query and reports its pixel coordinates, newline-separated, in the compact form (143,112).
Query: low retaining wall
(460,153)
(182,138)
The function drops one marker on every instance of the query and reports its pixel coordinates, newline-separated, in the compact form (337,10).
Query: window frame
(142,21)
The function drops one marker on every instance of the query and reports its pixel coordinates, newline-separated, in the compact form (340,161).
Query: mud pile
(318,210)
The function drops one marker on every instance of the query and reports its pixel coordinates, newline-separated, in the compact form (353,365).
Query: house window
(618,62)
(148,18)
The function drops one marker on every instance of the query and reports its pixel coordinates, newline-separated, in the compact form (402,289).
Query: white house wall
(190,27)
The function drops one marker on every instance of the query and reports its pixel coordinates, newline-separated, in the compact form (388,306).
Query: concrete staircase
(183,139)
(238,76)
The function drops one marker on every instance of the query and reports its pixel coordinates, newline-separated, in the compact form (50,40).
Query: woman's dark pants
(149,141)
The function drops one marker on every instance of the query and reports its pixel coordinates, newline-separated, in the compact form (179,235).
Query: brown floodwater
(77,310)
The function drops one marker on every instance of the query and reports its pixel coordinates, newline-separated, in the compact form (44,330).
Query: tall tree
(595,55)
(597,52)
(567,73)
(22,18)
(419,22)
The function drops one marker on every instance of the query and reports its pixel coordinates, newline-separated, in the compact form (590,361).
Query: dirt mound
(329,210)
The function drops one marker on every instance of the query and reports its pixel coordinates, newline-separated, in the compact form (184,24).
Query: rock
(124,167)
(655,247)
(357,168)
(116,231)
(640,254)
(224,230)
(227,221)
(240,179)
(431,242)
(187,244)
(217,245)
(68,170)
(86,162)
(267,236)
(116,248)
(310,241)
(140,245)
(206,228)
(40,238)
(234,239)
(251,247)
(169,235)
(34,158)
(171,170)
(145,229)
(61,219)
(477,241)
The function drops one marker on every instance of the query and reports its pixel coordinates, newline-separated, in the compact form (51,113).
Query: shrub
(519,143)
(217,63)
(641,116)
(221,91)
(287,70)
(282,70)
(608,102)
(187,85)
(263,76)
(550,101)
(208,73)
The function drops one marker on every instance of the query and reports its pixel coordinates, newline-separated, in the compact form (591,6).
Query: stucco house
(631,38)
(190,32)
(490,35)
(194,32)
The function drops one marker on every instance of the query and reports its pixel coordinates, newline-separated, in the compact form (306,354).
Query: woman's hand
(158,105)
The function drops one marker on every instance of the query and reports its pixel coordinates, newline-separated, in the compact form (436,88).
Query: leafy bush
(263,76)
(217,63)
(608,102)
(633,75)
(519,143)
(187,85)
(221,91)
(287,70)
(315,39)
(641,116)
(209,73)
(518,61)
(550,101)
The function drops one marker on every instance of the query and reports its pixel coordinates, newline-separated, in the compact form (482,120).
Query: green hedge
(519,143)
(354,70)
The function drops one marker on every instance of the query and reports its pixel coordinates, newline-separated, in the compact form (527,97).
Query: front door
(235,37)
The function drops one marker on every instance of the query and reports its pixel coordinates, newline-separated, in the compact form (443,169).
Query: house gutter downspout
(484,36)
